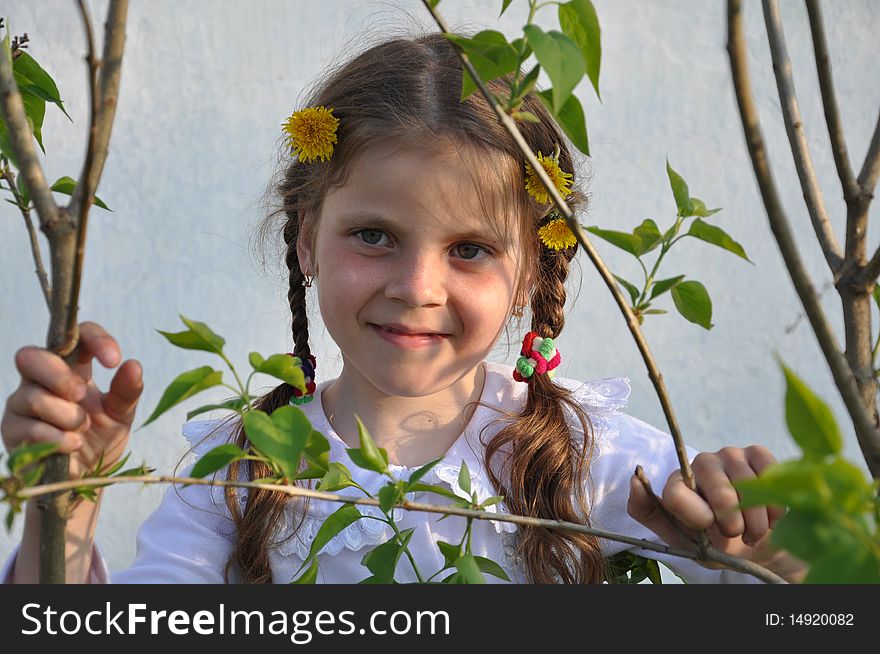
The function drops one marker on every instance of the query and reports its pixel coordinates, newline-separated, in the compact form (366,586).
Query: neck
(413,430)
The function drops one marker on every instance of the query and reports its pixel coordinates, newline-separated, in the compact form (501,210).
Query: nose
(418,279)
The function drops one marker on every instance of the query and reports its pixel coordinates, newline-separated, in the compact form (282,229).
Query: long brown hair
(399,92)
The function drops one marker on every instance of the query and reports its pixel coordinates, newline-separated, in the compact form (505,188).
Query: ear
(304,246)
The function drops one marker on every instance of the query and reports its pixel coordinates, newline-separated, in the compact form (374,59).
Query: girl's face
(414,285)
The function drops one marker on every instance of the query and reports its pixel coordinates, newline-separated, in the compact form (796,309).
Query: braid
(548,301)
(296,294)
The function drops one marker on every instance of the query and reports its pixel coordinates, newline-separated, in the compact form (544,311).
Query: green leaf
(317,455)
(809,419)
(876,295)
(491,55)
(579,21)
(852,493)
(491,568)
(235,404)
(184,386)
(663,285)
(571,118)
(469,569)
(561,58)
(716,236)
(22,189)
(814,534)
(679,189)
(369,456)
(27,68)
(6,145)
(649,236)
(281,437)
(489,501)
(696,207)
(35,110)
(525,86)
(525,116)
(653,570)
(24,455)
(212,341)
(280,366)
(382,560)
(451,553)
(438,490)
(693,302)
(623,240)
(335,523)
(310,576)
(796,484)
(504,5)
(388,496)
(464,478)
(219,457)
(421,472)
(454,578)
(337,478)
(632,289)
(66,185)
(33,476)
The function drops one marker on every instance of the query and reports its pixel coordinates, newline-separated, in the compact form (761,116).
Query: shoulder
(206,434)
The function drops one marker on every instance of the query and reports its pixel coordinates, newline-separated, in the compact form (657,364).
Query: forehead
(442,187)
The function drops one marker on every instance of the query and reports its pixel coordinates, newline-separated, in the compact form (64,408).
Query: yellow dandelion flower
(561,180)
(556,235)
(312,133)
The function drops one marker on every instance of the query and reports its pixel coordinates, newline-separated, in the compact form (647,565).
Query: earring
(307,281)
(517,312)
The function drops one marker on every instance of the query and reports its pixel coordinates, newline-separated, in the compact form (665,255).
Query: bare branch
(866,431)
(829,102)
(797,138)
(21,142)
(9,176)
(710,554)
(871,168)
(631,321)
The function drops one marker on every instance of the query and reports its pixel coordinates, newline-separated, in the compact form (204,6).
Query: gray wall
(205,86)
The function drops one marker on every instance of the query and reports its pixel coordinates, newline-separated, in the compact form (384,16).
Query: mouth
(406,338)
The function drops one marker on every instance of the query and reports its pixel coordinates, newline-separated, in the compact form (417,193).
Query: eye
(470,251)
(370,236)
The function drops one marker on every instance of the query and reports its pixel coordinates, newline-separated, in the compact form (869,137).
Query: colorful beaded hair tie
(308,367)
(539,356)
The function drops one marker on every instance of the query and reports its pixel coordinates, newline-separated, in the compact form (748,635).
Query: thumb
(646,509)
(120,401)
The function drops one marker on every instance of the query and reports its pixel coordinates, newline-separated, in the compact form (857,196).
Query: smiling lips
(408,338)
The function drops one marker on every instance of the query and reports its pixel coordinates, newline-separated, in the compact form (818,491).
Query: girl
(416,219)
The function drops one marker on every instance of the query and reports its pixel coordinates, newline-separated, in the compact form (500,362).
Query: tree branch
(631,321)
(710,554)
(866,431)
(829,102)
(871,168)
(9,176)
(21,142)
(797,138)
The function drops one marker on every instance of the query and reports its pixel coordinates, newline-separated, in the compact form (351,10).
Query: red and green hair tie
(539,356)
(308,367)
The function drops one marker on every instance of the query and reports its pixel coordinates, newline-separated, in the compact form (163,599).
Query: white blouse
(189,537)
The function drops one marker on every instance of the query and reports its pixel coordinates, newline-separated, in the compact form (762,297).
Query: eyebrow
(371,219)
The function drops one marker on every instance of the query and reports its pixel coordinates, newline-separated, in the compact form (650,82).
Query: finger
(34,401)
(713,482)
(643,508)
(95,342)
(30,430)
(759,459)
(120,401)
(685,504)
(40,366)
(755,521)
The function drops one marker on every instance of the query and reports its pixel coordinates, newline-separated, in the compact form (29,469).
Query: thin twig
(631,320)
(710,554)
(868,436)
(702,542)
(800,150)
(871,167)
(829,101)
(21,142)
(9,176)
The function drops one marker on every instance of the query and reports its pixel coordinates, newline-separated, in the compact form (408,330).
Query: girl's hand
(744,533)
(59,404)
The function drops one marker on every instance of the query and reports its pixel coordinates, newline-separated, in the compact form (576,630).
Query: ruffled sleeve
(189,537)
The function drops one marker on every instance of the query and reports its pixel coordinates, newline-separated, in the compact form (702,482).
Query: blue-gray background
(205,86)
